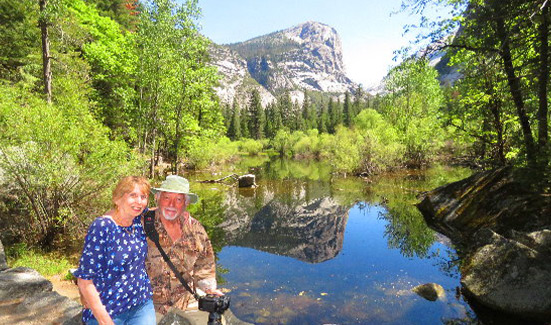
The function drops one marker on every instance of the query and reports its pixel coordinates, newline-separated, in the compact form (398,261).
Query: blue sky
(368,32)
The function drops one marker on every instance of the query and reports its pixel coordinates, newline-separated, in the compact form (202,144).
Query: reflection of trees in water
(210,212)
(406,229)
(275,218)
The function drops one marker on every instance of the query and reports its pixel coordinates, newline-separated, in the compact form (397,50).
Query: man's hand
(214,292)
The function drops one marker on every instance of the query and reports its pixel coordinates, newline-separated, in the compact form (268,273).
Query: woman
(111,274)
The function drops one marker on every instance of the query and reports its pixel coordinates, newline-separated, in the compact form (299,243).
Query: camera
(215,306)
(214,303)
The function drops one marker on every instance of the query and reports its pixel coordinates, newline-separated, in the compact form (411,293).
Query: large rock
(3,262)
(22,282)
(509,275)
(26,297)
(247,180)
(500,219)
(430,291)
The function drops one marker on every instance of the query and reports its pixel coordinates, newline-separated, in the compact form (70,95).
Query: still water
(309,247)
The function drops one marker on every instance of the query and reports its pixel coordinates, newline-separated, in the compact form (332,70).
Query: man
(186,243)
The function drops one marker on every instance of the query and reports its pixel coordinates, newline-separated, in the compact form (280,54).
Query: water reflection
(309,247)
(312,231)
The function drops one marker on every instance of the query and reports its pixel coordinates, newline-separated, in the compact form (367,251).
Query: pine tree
(227,113)
(305,112)
(258,117)
(234,130)
(298,121)
(347,110)
(244,117)
(357,105)
(332,116)
(323,125)
(312,116)
(286,109)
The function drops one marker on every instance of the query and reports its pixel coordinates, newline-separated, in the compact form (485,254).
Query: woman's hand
(90,295)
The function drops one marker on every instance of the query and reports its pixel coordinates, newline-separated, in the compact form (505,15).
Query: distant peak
(313,23)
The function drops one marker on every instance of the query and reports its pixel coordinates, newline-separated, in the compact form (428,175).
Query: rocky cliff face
(304,57)
(236,80)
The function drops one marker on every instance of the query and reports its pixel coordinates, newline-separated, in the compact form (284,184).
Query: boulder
(22,282)
(176,318)
(3,262)
(247,180)
(26,297)
(506,274)
(430,291)
(501,221)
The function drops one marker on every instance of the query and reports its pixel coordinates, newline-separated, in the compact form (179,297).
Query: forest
(93,90)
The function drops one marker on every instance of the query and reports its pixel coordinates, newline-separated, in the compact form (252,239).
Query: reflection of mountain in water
(312,232)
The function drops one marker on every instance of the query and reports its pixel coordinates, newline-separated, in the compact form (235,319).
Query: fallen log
(220,180)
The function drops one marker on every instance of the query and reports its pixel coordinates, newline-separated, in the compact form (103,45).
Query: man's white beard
(170,216)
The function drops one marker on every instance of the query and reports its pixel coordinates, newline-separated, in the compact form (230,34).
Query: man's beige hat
(176,184)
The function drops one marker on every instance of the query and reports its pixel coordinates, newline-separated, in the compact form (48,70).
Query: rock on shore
(500,220)
(26,297)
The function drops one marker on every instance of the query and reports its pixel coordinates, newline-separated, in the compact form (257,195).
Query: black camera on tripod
(214,303)
(215,306)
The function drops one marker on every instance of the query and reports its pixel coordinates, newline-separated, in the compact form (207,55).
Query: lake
(310,247)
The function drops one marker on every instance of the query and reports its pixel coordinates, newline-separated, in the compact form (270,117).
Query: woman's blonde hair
(126,185)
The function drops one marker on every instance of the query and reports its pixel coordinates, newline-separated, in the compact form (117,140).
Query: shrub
(382,143)
(206,152)
(282,143)
(57,164)
(251,147)
(346,149)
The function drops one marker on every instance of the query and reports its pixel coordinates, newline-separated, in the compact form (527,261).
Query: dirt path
(64,287)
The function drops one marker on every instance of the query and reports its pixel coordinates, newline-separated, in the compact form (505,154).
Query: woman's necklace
(127,231)
(130,233)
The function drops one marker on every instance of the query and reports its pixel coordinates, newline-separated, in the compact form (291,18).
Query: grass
(47,264)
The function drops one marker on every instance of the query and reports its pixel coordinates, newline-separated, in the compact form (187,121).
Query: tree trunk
(46,64)
(177,139)
(515,89)
(498,127)
(543,136)
(152,161)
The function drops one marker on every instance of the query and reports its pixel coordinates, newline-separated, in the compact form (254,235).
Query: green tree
(124,12)
(334,115)
(413,104)
(111,54)
(273,120)
(299,123)
(258,117)
(245,118)
(348,113)
(234,130)
(515,35)
(176,98)
(59,168)
(359,97)
(286,108)
(19,37)
(324,120)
